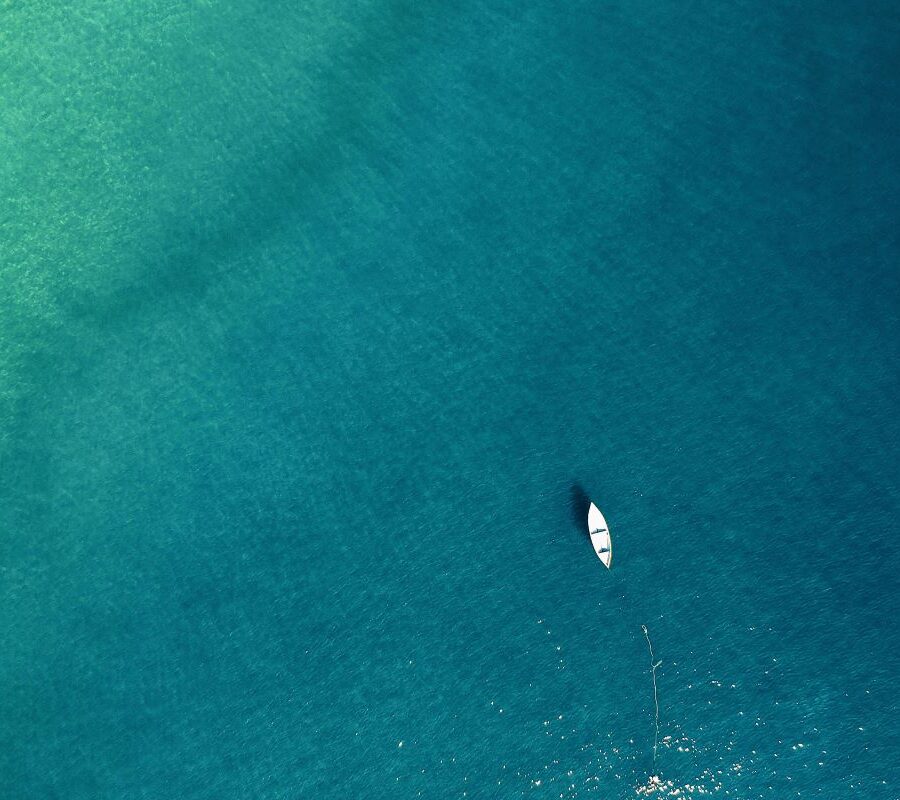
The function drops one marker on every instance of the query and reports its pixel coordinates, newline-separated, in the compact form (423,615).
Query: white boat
(600,537)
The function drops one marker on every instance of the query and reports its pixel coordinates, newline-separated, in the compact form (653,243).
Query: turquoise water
(318,325)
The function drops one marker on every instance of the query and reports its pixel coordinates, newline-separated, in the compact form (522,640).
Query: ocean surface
(319,324)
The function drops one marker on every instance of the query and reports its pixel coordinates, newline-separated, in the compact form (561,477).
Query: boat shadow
(579,503)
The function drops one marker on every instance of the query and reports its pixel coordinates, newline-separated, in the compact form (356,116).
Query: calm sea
(319,324)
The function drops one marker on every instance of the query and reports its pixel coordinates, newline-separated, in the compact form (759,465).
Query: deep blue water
(317,326)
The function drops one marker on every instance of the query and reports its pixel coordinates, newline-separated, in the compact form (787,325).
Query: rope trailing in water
(653,667)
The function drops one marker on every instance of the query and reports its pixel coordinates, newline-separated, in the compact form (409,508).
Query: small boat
(600,538)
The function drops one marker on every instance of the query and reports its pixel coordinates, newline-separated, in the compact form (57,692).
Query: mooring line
(653,666)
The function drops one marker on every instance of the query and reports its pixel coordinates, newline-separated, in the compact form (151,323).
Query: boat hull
(600,536)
